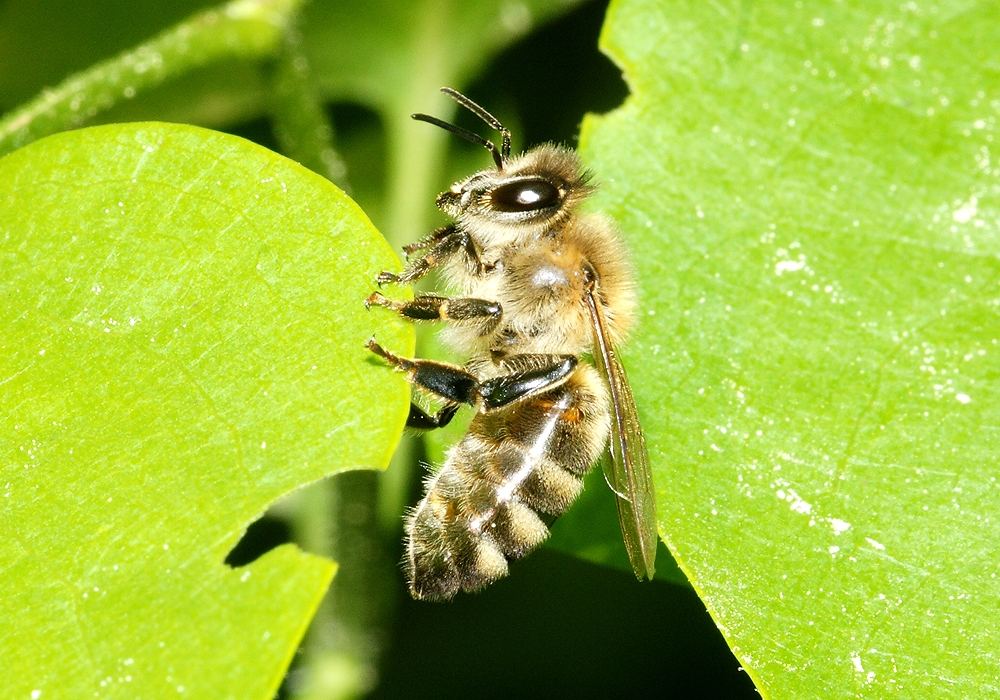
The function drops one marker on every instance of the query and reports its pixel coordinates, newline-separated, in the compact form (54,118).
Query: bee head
(533,192)
(523,195)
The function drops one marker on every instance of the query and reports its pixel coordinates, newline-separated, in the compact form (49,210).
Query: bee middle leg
(431,307)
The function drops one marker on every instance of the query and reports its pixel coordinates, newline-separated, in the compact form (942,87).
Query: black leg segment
(431,307)
(528,375)
(451,383)
(447,381)
(419,419)
(505,389)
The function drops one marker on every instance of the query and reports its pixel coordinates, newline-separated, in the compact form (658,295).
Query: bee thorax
(549,276)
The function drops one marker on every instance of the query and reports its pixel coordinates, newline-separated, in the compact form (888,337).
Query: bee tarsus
(431,307)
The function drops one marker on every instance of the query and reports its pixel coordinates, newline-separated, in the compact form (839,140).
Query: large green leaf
(812,190)
(183,342)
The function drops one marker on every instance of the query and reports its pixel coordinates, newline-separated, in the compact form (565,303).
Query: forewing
(628,471)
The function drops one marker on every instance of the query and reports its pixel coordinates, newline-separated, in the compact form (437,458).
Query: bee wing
(628,472)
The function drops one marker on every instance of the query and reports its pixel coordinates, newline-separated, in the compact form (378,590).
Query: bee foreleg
(430,307)
(429,241)
(444,244)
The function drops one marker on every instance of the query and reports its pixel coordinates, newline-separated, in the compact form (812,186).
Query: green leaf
(183,343)
(812,191)
(388,55)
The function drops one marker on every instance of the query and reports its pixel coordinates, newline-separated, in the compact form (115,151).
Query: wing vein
(628,474)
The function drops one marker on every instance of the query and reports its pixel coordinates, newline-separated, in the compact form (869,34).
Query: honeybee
(542,286)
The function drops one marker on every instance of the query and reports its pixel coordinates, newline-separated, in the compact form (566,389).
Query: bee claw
(382,352)
(376,299)
(384,278)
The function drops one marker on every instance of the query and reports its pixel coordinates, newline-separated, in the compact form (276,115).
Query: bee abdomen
(444,555)
(481,509)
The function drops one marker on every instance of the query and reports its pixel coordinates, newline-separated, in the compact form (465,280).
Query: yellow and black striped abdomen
(481,508)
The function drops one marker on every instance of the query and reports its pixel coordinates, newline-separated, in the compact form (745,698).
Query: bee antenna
(485,116)
(501,155)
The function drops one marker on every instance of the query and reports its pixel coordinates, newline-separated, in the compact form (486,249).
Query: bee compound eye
(524,195)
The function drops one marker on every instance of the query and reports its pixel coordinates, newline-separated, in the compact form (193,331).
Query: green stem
(349,634)
(417,150)
(337,518)
(300,122)
(417,154)
(243,28)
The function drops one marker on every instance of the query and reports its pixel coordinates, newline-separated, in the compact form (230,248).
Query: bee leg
(549,372)
(430,307)
(443,243)
(450,382)
(419,419)
(457,385)
(429,241)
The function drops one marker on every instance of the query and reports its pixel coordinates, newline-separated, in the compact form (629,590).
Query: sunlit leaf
(183,343)
(812,191)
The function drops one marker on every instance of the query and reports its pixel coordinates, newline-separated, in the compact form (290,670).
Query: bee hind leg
(449,382)
(543,373)
(457,385)
(419,419)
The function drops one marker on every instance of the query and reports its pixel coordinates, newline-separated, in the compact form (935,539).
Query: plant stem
(337,517)
(299,121)
(242,28)
(351,628)
(416,151)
